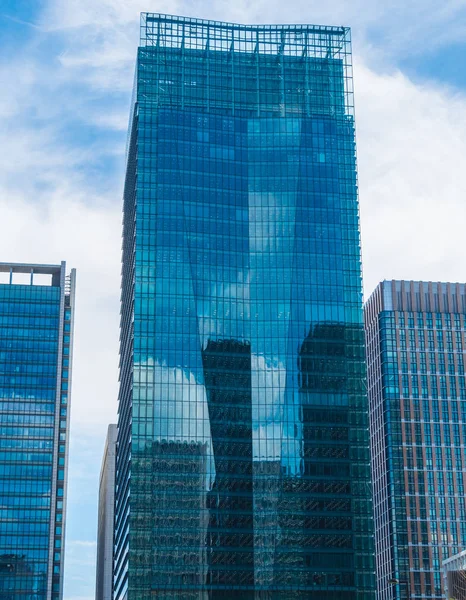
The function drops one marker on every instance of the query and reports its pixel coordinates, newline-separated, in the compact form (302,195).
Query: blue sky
(66,71)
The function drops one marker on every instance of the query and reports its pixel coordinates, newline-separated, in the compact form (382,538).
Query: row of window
(427,319)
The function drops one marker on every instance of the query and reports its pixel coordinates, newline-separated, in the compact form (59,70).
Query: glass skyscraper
(36,330)
(417,393)
(243,466)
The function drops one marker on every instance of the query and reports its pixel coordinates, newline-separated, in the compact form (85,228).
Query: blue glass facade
(35,366)
(243,449)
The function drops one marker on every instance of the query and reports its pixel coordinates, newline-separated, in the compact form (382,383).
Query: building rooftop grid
(190,33)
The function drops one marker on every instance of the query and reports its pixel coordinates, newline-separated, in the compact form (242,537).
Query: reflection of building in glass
(415,335)
(241,330)
(227,377)
(170,504)
(36,325)
(454,577)
(104,566)
(327,380)
(323,364)
(267,529)
(17,576)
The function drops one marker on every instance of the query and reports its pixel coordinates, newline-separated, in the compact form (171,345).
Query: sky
(66,73)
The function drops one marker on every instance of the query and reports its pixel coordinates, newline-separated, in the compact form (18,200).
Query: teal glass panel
(243,464)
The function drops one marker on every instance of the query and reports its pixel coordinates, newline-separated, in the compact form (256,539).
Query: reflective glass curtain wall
(36,328)
(243,449)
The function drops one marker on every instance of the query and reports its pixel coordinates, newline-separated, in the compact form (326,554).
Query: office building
(417,394)
(242,406)
(454,576)
(36,340)
(105,526)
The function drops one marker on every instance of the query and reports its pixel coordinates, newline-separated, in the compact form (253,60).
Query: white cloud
(83,543)
(103,34)
(412,149)
(116,120)
(181,411)
(80,567)
(59,204)
(64,227)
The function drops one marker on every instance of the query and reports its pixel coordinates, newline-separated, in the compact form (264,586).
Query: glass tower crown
(243,447)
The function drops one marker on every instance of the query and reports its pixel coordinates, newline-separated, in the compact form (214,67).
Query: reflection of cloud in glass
(226,312)
(181,412)
(271,223)
(277,431)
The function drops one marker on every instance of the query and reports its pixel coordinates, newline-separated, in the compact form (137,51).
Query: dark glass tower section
(243,446)
(36,330)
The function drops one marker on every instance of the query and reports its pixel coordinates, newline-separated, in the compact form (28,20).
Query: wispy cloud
(20,21)
(104,33)
(82,544)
